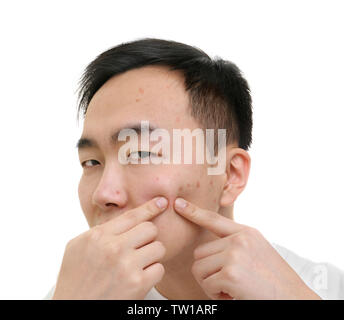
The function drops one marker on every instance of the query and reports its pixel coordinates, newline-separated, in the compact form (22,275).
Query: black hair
(219,94)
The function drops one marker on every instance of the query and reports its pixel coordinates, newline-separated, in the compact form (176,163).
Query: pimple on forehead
(141,91)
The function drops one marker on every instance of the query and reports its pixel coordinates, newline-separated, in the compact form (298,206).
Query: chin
(179,244)
(177,253)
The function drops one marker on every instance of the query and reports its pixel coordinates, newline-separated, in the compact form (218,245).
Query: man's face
(107,188)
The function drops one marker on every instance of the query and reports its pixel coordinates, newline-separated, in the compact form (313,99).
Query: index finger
(210,220)
(133,217)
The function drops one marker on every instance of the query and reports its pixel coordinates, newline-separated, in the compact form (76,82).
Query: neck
(178,282)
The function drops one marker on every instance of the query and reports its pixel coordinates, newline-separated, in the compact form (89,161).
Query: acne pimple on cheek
(214,200)
(156,178)
(117,192)
(211,182)
(137,100)
(141,90)
(188,184)
(180,189)
(198,184)
(177,119)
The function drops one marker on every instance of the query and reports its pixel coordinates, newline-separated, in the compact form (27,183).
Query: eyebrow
(87,142)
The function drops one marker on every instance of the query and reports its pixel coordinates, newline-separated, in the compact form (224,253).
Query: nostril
(111,204)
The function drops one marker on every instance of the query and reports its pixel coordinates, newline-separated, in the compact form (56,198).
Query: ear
(237,172)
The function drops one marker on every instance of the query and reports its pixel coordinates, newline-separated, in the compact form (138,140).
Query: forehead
(151,93)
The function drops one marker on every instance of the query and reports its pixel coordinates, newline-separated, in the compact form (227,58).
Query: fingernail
(181,203)
(161,202)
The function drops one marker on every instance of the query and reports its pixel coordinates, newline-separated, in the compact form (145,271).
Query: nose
(110,191)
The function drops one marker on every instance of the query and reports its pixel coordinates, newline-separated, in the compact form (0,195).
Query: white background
(291,52)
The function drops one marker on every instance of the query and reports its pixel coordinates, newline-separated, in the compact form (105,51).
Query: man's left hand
(241,263)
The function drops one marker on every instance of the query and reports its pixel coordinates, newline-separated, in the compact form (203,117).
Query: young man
(166,231)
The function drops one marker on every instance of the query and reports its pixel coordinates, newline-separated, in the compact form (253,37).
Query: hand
(116,260)
(241,264)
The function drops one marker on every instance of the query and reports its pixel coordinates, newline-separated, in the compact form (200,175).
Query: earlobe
(227,198)
(237,172)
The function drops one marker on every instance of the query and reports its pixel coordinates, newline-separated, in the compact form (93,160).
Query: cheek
(193,186)
(174,231)
(170,186)
(85,196)
(157,185)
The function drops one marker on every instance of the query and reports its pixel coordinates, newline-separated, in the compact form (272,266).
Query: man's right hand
(116,260)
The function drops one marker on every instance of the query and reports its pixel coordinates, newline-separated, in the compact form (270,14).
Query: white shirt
(324,279)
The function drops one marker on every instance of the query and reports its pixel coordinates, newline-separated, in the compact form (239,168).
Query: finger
(210,220)
(140,235)
(214,285)
(150,253)
(133,217)
(207,266)
(153,274)
(210,248)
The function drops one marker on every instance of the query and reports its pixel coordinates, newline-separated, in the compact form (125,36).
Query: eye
(135,155)
(88,163)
